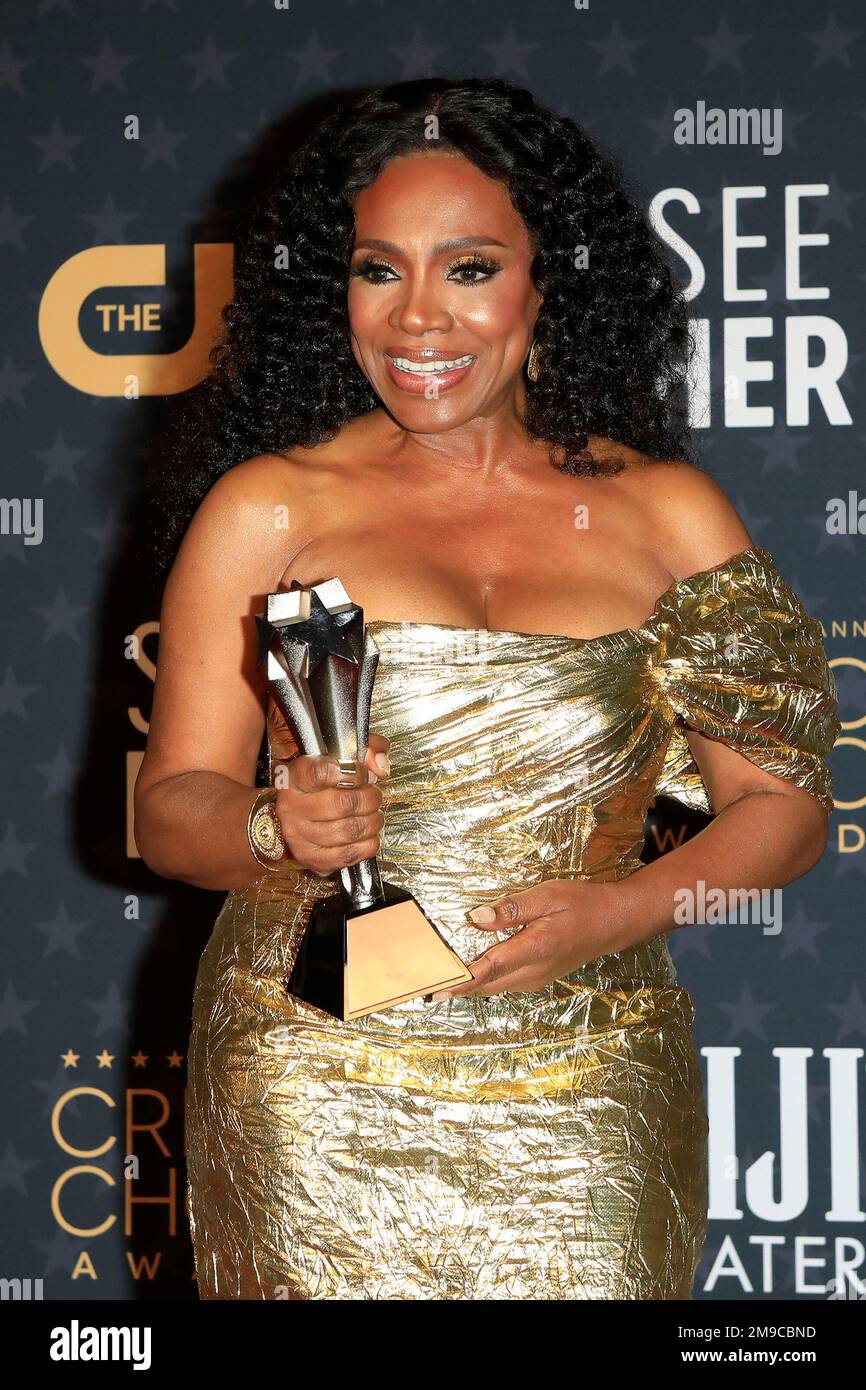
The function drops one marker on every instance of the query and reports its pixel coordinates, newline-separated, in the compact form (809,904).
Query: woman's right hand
(328,826)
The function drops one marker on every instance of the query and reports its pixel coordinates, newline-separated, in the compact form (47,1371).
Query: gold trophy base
(353,961)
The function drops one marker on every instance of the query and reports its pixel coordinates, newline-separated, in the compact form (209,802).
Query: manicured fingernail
(383,762)
(443,994)
(482,914)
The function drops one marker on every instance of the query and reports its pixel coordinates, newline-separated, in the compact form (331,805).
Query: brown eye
(474,271)
(375,272)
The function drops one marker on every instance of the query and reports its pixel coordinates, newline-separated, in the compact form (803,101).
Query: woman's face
(441,301)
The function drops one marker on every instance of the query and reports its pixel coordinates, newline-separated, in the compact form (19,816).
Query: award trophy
(369,945)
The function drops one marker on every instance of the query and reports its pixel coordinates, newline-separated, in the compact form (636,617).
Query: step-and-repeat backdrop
(136,133)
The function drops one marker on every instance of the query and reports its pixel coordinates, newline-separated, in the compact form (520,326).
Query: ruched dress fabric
(525,1145)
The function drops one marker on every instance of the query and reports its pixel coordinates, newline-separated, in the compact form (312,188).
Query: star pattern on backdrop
(616,52)
(206,84)
(107,67)
(108,226)
(13,696)
(724,48)
(833,43)
(60,460)
(61,934)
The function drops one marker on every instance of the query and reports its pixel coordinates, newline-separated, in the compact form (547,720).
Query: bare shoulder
(692,521)
(249,519)
(266,507)
(254,484)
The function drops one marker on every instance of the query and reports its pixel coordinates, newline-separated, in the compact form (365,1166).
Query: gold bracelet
(264,831)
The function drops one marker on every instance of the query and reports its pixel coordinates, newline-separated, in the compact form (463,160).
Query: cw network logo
(106,269)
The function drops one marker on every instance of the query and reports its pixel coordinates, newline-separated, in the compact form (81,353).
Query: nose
(419,308)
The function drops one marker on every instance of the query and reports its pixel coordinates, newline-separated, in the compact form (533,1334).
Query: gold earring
(533,364)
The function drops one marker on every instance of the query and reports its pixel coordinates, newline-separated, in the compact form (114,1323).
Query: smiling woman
(424,403)
(611,331)
(491,328)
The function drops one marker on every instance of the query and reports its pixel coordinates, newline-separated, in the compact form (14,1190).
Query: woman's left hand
(565,923)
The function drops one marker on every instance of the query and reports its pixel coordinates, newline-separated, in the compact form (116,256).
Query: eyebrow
(461,243)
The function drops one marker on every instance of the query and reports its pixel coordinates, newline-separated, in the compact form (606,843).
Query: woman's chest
(541,572)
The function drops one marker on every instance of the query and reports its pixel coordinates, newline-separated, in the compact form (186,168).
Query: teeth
(429,368)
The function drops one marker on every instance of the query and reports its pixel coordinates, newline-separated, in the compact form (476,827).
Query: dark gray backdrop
(99,955)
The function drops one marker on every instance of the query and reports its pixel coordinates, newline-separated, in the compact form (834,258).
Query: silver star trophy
(369,945)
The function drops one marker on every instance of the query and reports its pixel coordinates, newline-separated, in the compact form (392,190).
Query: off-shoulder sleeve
(737,658)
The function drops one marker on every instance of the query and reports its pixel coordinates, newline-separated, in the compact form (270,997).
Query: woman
(452,376)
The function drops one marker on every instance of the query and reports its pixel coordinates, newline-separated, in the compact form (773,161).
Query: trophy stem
(362,883)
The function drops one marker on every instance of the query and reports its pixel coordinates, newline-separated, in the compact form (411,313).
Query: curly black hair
(613,338)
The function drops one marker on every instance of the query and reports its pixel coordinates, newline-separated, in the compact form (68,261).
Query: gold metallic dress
(536,1145)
